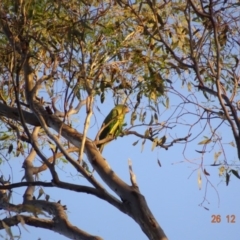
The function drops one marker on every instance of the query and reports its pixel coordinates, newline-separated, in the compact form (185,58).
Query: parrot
(112,125)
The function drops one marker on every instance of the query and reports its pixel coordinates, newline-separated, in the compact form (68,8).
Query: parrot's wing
(111,117)
(112,124)
(108,124)
(117,126)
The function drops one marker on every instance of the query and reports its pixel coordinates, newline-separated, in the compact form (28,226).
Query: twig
(89,104)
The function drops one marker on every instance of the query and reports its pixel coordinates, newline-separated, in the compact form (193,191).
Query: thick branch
(72,187)
(64,228)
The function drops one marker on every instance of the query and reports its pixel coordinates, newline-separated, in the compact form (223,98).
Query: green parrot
(112,125)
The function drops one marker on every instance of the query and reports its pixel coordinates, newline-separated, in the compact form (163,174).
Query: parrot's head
(121,109)
(125,109)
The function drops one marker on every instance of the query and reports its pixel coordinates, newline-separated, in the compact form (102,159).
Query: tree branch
(62,227)
(104,195)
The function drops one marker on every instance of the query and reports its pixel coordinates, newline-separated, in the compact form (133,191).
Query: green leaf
(133,118)
(47,197)
(167,103)
(52,146)
(153,108)
(202,152)
(205,141)
(102,97)
(205,172)
(154,144)
(151,121)
(4,137)
(205,95)
(143,142)
(143,117)
(10,148)
(227,178)
(135,143)
(199,179)
(7,229)
(147,133)
(155,117)
(63,160)
(215,165)
(40,193)
(235,173)
(221,170)
(216,155)
(232,144)
(162,140)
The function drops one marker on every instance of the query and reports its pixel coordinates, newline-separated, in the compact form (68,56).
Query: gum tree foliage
(60,56)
